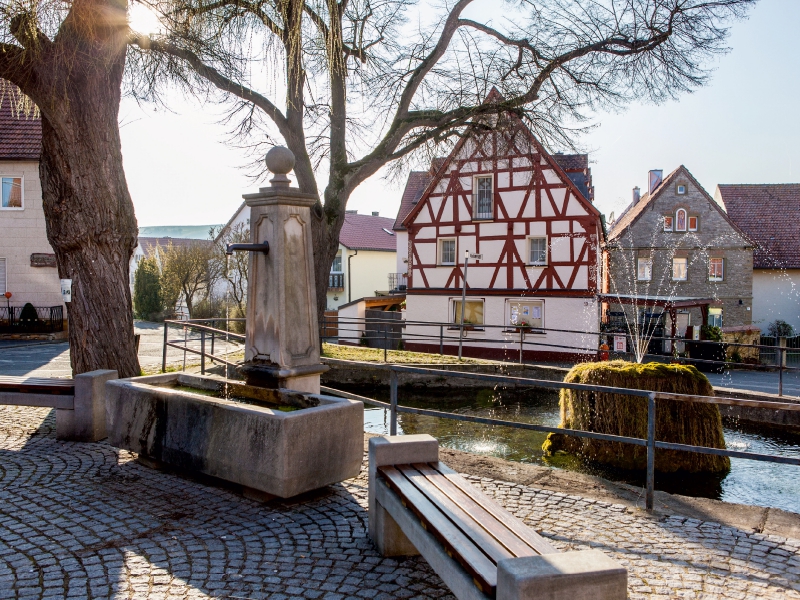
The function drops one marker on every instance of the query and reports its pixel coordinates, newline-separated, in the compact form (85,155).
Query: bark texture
(75,80)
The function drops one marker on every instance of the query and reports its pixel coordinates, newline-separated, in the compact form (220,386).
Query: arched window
(680,220)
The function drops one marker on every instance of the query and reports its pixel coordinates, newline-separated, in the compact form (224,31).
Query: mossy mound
(617,414)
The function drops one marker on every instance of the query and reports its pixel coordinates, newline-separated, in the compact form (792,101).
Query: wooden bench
(420,506)
(79,403)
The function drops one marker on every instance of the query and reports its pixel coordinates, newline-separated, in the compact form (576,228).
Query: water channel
(748,482)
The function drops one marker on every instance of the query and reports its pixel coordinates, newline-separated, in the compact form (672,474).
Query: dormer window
(482,198)
(680,220)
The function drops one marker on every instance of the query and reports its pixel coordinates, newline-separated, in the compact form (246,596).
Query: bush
(711,333)
(780,328)
(148,303)
(28,314)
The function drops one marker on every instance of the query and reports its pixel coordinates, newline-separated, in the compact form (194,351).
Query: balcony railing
(336,282)
(398,282)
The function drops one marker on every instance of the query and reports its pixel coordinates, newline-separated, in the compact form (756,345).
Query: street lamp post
(463,304)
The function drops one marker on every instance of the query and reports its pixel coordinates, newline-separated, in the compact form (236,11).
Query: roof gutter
(350,277)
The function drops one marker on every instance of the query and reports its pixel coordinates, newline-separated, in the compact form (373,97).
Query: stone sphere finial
(280,160)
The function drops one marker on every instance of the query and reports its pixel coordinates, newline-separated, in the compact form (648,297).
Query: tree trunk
(88,210)
(325,227)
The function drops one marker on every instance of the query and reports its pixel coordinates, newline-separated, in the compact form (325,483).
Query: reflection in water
(748,482)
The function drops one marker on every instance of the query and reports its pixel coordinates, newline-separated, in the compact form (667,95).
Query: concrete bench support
(396,531)
(86,421)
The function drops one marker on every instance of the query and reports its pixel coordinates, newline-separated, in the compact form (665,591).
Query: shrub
(779,328)
(617,414)
(711,333)
(148,301)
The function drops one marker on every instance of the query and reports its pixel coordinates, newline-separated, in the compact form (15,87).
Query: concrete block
(394,450)
(583,575)
(86,422)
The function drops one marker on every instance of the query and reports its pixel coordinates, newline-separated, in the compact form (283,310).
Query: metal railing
(650,442)
(398,281)
(208,335)
(45,319)
(336,281)
(443,338)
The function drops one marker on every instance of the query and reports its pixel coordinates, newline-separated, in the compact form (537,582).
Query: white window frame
(525,318)
(669,219)
(440,252)
(639,262)
(454,303)
(714,313)
(689,223)
(21,192)
(532,262)
(685,271)
(339,256)
(722,270)
(475,203)
(4,276)
(678,189)
(685,219)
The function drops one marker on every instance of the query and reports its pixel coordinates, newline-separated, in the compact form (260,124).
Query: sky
(742,127)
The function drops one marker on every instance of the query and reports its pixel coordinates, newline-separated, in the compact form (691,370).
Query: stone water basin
(276,442)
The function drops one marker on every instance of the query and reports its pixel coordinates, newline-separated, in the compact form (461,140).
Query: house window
(336,267)
(538,251)
(526,313)
(681,189)
(715,269)
(667,223)
(447,251)
(680,220)
(692,223)
(483,197)
(644,269)
(679,269)
(11,193)
(3,288)
(473,312)
(715,317)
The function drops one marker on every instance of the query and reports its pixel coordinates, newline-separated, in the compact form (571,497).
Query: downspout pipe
(349,277)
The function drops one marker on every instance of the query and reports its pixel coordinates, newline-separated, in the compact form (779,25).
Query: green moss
(617,414)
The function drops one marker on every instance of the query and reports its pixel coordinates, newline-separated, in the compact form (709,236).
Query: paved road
(52,360)
(87,521)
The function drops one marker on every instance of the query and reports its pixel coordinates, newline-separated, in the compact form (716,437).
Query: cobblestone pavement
(86,521)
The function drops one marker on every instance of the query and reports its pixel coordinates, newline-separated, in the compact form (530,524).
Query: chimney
(376,213)
(351,212)
(636,194)
(654,179)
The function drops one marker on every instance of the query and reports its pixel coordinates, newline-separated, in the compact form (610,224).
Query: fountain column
(282,337)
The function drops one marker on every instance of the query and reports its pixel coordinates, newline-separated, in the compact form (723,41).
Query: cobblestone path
(86,521)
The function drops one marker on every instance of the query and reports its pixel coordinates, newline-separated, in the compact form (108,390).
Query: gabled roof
(367,232)
(632,213)
(415,185)
(20,135)
(770,215)
(441,169)
(224,229)
(576,166)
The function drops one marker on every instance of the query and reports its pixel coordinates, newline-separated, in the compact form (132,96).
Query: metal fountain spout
(263,247)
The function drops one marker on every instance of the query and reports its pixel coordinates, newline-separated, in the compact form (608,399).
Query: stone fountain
(274,435)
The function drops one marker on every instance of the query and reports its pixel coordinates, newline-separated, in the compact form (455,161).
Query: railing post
(202,351)
(520,345)
(385,341)
(393,402)
(185,344)
(164,354)
(212,346)
(651,451)
(441,340)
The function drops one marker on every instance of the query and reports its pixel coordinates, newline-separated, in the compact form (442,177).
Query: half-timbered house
(501,196)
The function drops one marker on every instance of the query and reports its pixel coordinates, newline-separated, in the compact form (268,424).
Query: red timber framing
(532,197)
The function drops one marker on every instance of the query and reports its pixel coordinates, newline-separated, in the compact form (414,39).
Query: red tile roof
(366,232)
(20,134)
(770,215)
(416,184)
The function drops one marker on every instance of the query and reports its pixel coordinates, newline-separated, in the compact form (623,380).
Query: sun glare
(142,19)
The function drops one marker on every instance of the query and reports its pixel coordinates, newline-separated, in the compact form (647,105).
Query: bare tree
(233,268)
(187,272)
(68,58)
(365,88)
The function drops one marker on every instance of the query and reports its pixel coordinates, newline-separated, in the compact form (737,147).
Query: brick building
(675,243)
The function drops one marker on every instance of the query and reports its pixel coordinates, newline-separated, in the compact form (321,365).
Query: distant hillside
(192,232)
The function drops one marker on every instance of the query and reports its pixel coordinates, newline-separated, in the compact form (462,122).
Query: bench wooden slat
(38,385)
(506,530)
(530,537)
(466,522)
(477,564)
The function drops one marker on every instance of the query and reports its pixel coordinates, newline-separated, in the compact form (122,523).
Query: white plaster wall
(23,233)
(571,314)
(350,331)
(401,238)
(776,295)
(369,270)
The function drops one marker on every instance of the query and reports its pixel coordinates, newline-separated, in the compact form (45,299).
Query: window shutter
(3,289)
